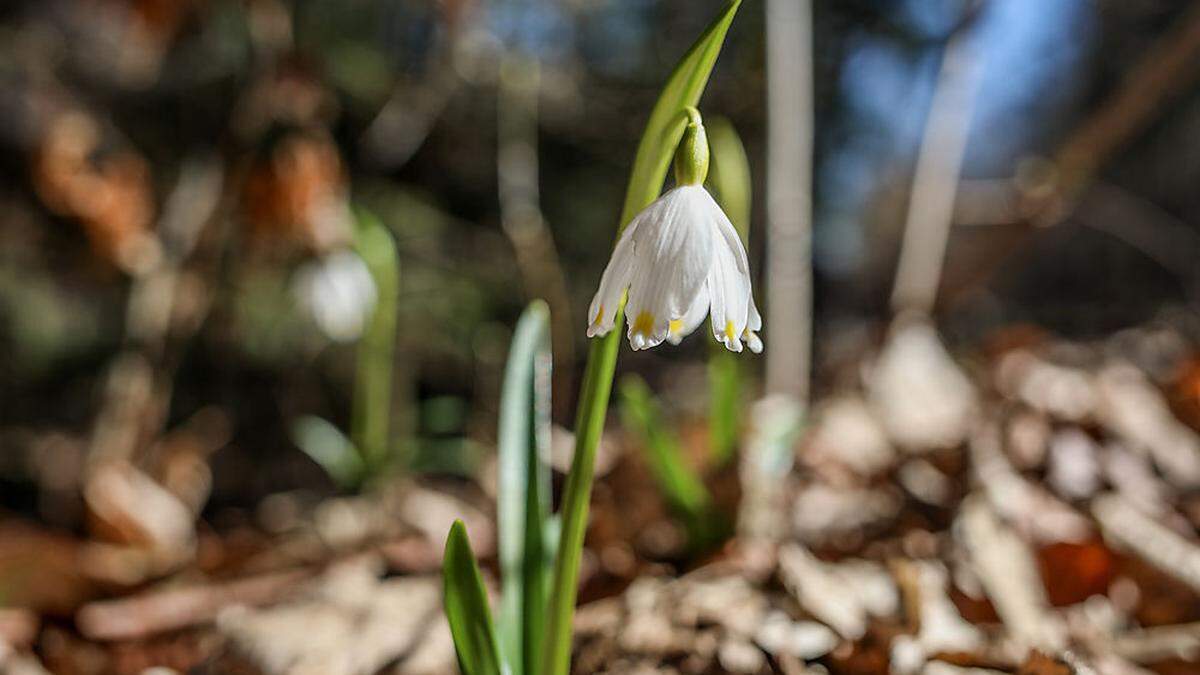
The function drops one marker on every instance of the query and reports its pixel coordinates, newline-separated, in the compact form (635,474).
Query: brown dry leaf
(919,393)
(941,629)
(149,531)
(804,640)
(822,513)
(1063,392)
(1134,409)
(349,623)
(847,433)
(40,570)
(841,595)
(1164,548)
(1009,574)
(297,194)
(18,627)
(1038,663)
(111,197)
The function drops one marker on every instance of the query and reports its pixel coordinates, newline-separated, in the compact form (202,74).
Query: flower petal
(729,282)
(753,325)
(683,327)
(613,282)
(673,253)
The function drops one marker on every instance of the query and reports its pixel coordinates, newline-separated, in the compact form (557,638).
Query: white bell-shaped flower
(339,293)
(681,260)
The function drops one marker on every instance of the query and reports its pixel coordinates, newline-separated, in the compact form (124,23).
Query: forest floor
(1030,509)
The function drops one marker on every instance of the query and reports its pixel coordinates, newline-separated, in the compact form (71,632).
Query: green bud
(691,157)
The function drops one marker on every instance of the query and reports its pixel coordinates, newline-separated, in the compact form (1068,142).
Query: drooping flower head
(681,260)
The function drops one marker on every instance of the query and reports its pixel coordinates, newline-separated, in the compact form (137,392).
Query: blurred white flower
(681,260)
(338,292)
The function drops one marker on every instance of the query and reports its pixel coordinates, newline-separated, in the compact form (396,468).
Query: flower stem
(664,130)
(593,407)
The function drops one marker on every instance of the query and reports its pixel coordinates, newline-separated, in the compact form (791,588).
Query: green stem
(724,390)
(372,406)
(663,132)
(593,407)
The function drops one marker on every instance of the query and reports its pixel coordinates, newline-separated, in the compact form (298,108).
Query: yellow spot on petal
(599,315)
(675,326)
(644,323)
(728,330)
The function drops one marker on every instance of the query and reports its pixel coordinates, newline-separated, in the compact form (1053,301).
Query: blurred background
(236,234)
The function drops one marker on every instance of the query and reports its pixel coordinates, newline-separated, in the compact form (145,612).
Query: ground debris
(922,398)
(348,623)
(1149,538)
(841,595)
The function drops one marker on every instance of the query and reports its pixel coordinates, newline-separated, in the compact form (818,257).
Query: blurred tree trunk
(789,197)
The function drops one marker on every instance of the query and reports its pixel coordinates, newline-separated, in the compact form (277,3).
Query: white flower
(681,259)
(338,292)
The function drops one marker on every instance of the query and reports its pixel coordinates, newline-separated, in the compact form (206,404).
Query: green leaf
(523,492)
(665,126)
(326,445)
(369,424)
(466,605)
(729,178)
(686,493)
(654,154)
(642,416)
(729,173)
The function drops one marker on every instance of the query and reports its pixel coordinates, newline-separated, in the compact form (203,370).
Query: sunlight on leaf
(523,489)
(326,445)
(467,609)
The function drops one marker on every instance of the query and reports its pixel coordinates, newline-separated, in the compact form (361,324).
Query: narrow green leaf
(682,487)
(729,173)
(654,154)
(369,424)
(466,604)
(523,491)
(326,445)
(642,416)
(729,178)
(666,123)
(724,400)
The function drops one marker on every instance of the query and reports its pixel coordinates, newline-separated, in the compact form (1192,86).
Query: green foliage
(642,416)
(370,428)
(665,127)
(729,173)
(523,490)
(467,610)
(729,179)
(326,445)
(724,398)
(368,452)
(654,154)
(527,536)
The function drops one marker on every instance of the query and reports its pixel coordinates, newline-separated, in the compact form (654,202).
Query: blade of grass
(729,176)
(642,415)
(682,487)
(329,447)
(369,424)
(662,134)
(523,491)
(466,604)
